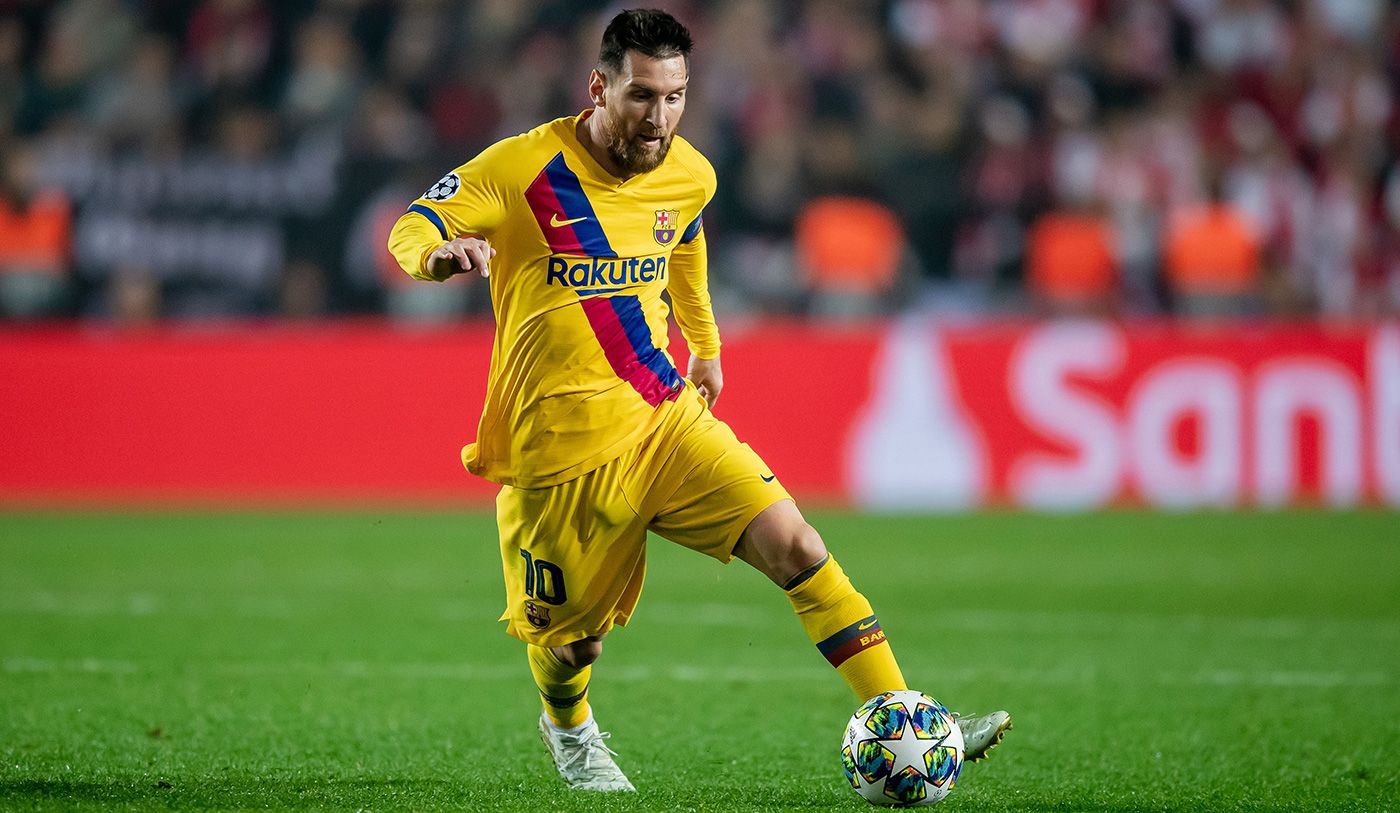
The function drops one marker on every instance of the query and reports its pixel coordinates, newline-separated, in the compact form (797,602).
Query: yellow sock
(563,689)
(841,623)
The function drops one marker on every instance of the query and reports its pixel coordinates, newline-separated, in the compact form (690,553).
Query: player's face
(641,107)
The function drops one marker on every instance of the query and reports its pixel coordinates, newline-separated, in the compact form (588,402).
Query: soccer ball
(902,749)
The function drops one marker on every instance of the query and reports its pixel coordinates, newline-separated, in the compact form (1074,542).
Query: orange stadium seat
(848,246)
(36,238)
(1070,261)
(1210,251)
(35,243)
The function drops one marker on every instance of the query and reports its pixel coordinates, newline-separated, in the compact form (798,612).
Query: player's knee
(805,547)
(780,543)
(793,549)
(580,653)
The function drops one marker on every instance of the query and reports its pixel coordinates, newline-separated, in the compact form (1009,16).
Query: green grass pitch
(353,661)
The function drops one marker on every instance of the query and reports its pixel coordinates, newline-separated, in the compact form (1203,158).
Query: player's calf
(563,686)
(838,619)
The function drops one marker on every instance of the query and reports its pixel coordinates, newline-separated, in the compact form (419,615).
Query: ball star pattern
(901,749)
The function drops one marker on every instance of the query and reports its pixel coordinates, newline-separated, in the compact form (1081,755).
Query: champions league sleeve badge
(445,188)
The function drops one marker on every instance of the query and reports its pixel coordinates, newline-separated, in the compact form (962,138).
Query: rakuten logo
(602,272)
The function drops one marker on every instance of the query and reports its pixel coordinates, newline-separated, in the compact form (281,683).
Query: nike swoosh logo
(557,223)
(865,626)
(770,478)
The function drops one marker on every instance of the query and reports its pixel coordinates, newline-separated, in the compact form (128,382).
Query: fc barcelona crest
(667,220)
(538,616)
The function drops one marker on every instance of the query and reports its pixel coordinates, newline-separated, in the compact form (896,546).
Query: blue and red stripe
(625,337)
(557,196)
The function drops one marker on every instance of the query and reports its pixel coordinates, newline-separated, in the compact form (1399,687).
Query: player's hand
(707,377)
(461,256)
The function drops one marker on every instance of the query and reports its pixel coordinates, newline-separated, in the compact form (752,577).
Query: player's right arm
(418,246)
(447,230)
(461,255)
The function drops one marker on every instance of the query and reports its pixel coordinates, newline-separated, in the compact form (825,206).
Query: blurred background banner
(1052,253)
(907,415)
(1080,415)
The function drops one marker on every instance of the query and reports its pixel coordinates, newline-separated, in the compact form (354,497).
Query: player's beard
(630,154)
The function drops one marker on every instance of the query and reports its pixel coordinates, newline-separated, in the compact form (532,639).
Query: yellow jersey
(579,368)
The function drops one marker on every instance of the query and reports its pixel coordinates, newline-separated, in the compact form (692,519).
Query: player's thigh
(573,558)
(714,485)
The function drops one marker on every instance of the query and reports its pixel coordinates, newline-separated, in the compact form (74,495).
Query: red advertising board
(911,414)
(1086,414)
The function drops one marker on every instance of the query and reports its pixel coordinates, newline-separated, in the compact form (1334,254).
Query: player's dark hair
(648,31)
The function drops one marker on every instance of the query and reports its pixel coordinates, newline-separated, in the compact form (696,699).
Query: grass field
(1195,662)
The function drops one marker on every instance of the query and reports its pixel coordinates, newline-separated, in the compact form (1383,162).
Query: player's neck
(589,132)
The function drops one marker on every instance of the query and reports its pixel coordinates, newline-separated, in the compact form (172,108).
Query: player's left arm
(688,284)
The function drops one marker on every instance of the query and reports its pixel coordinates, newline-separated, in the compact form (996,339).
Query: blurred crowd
(232,158)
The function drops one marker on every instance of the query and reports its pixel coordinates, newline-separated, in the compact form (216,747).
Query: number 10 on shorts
(544,580)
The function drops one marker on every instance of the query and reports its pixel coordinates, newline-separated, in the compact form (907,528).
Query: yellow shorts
(574,554)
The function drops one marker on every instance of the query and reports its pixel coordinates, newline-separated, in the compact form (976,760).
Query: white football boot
(581,756)
(981,732)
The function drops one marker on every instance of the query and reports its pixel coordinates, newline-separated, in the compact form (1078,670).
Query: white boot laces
(586,747)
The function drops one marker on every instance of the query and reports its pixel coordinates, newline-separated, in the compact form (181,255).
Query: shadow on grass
(175,793)
(182,793)
(418,794)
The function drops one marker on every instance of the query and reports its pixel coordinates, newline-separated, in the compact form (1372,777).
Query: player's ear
(596,83)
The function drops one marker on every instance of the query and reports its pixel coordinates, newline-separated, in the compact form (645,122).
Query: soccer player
(595,438)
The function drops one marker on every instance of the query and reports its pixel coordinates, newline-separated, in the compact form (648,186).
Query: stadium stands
(229,153)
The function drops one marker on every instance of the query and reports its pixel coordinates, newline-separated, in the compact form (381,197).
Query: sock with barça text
(842,625)
(563,689)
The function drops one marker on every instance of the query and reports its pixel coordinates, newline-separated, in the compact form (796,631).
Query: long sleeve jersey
(579,368)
